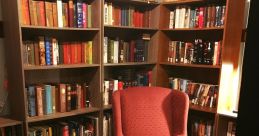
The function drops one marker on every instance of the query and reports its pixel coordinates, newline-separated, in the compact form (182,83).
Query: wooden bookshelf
(60,66)
(209,74)
(6,122)
(203,109)
(190,65)
(107,107)
(196,29)
(63,114)
(128,64)
(130,28)
(59,28)
(136,2)
(95,74)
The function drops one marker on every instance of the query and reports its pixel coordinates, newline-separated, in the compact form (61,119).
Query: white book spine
(177,15)
(59,11)
(55,51)
(171,18)
(116,52)
(105,50)
(105,14)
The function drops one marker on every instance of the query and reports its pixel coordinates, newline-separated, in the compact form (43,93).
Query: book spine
(79,14)
(89,15)
(42,51)
(47,51)
(62,98)
(55,14)
(68,97)
(48,98)
(53,98)
(55,52)
(59,13)
(71,13)
(32,101)
(39,100)
(90,52)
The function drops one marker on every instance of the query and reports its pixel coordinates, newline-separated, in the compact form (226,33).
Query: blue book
(31,101)
(48,99)
(48,51)
(80,23)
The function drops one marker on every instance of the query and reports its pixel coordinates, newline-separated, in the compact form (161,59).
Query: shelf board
(228,114)
(60,66)
(107,107)
(129,64)
(59,28)
(5,122)
(203,109)
(136,2)
(195,29)
(181,2)
(190,65)
(130,28)
(63,114)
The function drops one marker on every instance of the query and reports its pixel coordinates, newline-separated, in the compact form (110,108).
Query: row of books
(120,51)
(201,128)
(231,130)
(141,79)
(11,131)
(199,93)
(107,124)
(126,15)
(86,126)
(72,13)
(197,52)
(199,17)
(48,99)
(48,51)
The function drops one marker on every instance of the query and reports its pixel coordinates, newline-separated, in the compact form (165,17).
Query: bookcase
(217,24)
(69,70)
(132,44)
(129,46)
(10,127)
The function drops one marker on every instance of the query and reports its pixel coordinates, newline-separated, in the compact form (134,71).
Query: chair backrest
(150,111)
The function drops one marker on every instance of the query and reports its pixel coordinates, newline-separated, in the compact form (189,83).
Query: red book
(65,48)
(42,16)
(201,17)
(141,20)
(71,13)
(73,53)
(39,100)
(61,103)
(55,14)
(25,12)
(79,52)
(85,15)
(120,85)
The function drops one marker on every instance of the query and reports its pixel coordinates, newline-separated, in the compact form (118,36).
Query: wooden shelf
(63,114)
(5,122)
(107,107)
(136,2)
(190,65)
(195,29)
(60,66)
(128,64)
(129,28)
(203,109)
(59,28)
(181,2)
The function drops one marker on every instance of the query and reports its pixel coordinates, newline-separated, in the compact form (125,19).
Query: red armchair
(150,111)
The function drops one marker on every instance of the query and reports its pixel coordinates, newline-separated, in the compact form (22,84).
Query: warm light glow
(225,89)
(229,90)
